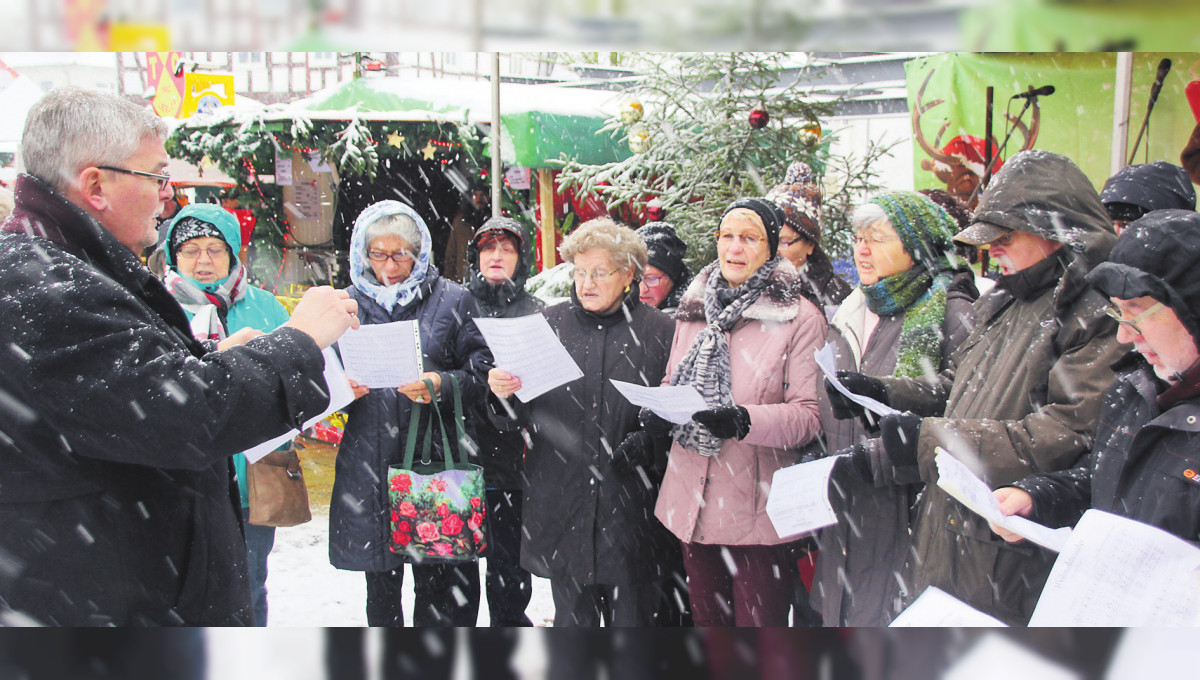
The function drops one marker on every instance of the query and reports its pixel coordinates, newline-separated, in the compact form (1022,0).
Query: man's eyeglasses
(1004,241)
(164,180)
(599,276)
(193,252)
(1115,313)
(399,257)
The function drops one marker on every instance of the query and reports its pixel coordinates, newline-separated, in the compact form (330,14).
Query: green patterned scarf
(921,296)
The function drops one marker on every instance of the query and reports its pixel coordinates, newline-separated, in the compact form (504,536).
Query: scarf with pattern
(921,296)
(706,365)
(208,303)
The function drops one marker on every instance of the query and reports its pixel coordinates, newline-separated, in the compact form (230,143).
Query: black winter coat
(377,424)
(1145,464)
(502,451)
(584,518)
(125,511)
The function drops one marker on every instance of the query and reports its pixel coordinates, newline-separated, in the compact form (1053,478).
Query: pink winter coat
(722,499)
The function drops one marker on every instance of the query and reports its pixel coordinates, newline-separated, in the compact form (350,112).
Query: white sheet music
(799,498)
(527,347)
(340,394)
(957,480)
(826,361)
(382,355)
(675,403)
(935,608)
(1115,571)
(996,657)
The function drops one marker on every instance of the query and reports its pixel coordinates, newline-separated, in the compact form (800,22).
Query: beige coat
(722,499)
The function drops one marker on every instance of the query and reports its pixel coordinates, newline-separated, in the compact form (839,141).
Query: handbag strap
(410,445)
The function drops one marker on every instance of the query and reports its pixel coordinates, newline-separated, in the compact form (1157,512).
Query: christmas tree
(709,128)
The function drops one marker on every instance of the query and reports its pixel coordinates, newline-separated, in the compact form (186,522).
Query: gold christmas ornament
(810,134)
(639,138)
(632,111)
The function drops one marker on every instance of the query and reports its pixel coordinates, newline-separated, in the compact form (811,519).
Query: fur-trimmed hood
(780,302)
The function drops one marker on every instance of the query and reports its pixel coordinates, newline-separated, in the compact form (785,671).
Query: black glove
(656,425)
(636,449)
(727,422)
(900,434)
(854,461)
(865,385)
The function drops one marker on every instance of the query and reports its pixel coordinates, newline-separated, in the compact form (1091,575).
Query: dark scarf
(1033,281)
(896,293)
(1188,387)
(921,297)
(706,366)
(493,298)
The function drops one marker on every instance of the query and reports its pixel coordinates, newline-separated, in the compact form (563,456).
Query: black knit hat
(1158,256)
(502,225)
(1150,186)
(188,227)
(665,250)
(771,215)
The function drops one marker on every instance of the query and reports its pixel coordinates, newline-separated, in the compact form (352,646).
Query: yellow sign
(139,38)
(168,88)
(204,92)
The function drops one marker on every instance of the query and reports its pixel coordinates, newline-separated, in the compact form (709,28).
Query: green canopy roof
(539,123)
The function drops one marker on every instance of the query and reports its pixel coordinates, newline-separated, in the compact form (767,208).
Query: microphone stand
(1154,92)
(1004,144)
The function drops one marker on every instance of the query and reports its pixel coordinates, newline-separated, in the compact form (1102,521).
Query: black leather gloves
(656,425)
(857,383)
(900,434)
(726,422)
(855,461)
(637,448)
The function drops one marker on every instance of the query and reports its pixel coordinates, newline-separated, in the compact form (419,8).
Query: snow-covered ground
(305,594)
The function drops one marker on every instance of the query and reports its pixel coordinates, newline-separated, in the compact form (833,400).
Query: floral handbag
(437,507)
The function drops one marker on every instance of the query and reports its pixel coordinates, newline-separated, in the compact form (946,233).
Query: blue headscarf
(361,273)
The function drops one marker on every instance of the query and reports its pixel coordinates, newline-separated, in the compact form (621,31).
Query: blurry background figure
(172,207)
(473,211)
(102,654)
(1137,189)
(800,237)
(666,276)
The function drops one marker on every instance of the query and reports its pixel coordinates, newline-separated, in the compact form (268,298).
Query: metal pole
(1120,134)
(496,178)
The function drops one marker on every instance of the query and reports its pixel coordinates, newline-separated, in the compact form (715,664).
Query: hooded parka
(501,451)
(1023,392)
(127,514)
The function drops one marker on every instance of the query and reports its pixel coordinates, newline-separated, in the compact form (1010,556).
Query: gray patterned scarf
(706,365)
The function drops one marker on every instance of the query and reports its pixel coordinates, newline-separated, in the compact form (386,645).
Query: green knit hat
(924,227)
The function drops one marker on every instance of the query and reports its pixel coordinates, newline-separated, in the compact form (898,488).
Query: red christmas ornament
(759,118)
(655,211)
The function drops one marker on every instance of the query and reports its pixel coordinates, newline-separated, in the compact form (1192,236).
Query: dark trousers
(643,654)
(509,586)
(445,595)
(428,655)
(102,653)
(259,541)
(759,592)
(578,605)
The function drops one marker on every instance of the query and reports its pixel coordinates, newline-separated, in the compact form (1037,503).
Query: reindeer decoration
(960,165)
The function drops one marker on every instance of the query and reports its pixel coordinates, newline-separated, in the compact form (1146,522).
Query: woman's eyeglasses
(164,180)
(653,281)
(399,257)
(193,252)
(598,276)
(747,241)
(1132,324)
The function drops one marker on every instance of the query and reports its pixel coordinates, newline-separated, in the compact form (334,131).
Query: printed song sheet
(528,348)
(936,608)
(1116,571)
(955,479)
(382,355)
(799,498)
(340,394)
(675,403)
(828,366)
(997,657)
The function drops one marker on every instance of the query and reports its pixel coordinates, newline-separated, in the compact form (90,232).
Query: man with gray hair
(117,427)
